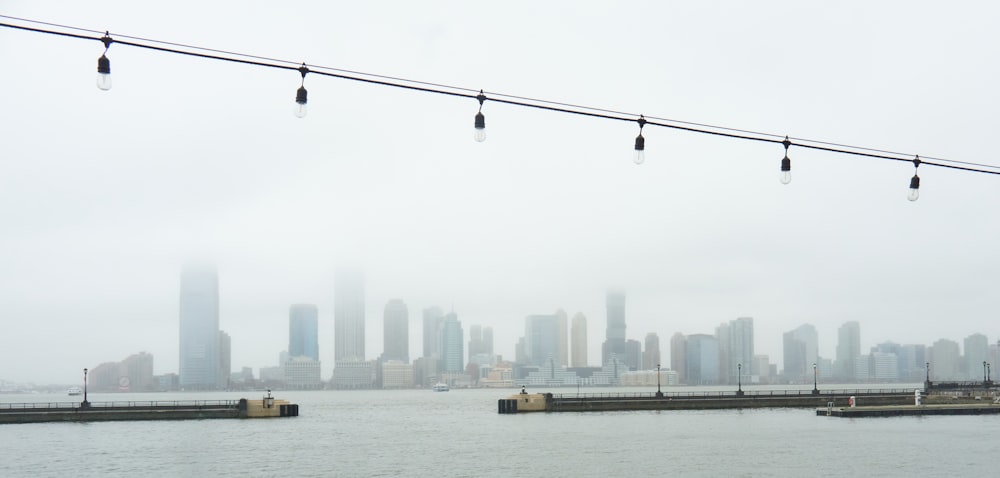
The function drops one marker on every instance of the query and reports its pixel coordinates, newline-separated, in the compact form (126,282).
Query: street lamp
(984,372)
(989,376)
(739,379)
(85,402)
(659,394)
(815,380)
(927,366)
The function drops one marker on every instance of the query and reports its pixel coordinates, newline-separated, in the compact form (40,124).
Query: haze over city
(104,196)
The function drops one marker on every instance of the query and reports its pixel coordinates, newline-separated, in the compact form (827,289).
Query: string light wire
(496,97)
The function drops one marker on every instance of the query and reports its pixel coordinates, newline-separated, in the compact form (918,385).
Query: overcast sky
(104,195)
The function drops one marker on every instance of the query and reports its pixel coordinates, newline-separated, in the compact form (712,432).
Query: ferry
(441,387)
(73,391)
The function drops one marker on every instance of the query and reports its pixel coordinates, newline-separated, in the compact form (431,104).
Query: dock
(608,402)
(911,410)
(266,407)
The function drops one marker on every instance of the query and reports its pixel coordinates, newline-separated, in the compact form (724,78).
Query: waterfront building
(302,373)
(800,348)
(884,367)
(722,337)
(977,352)
(137,369)
(225,359)
(944,360)
(562,322)
(762,369)
(397,374)
(396,331)
(913,362)
(740,350)
(451,345)
(848,351)
(614,343)
(541,339)
(651,355)
(701,360)
(578,330)
(648,378)
(349,315)
(353,374)
(199,328)
(488,341)
(303,331)
(678,353)
(433,317)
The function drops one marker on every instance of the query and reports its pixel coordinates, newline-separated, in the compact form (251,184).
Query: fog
(105,195)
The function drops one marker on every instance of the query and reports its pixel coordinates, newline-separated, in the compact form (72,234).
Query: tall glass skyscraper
(452,353)
(614,342)
(396,331)
(348,315)
(199,328)
(303,331)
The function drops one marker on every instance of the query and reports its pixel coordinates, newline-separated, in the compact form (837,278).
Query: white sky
(103,195)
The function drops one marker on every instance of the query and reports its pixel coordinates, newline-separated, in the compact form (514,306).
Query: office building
(848,351)
(614,343)
(740,350)
(396,332)
(433,318)
(541,339)
(945,359)
(199,328)
(977,354)
(702,360)
(452,345)
(349,315)
(578,330)
(651,355)
(800,348)
(678,356)
(303,331)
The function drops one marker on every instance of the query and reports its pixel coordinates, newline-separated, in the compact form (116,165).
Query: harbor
(266,407)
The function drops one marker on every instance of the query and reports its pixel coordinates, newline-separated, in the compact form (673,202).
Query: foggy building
(678,359)
(651,356)
(225,359)
(349,315)
(138,370)
(541,339)
(800,353)
(722,336)
(579,343)
(741,350)
(633,354)
(433,317)
(702,360)
(848,350)
(452,345)
(199,328)
(303,331)
(488,340)
(944,359)
(396,332)
(562,320)
(614,343)
(977,352)
(913,362)
(302,373)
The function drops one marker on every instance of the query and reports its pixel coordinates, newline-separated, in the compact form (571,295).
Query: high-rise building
(225,359)
(722,336)
(199,328)
(563,323)
(848,350)
(433,318)
(614,343)
(452,345)
(541,339)
(579,332)
(488,340)
(741,349)
(349,315)
(800,353)
(651,356)
(944,359)
(678,355)
(303,331)
(701,360)
(396,332)
(977,354)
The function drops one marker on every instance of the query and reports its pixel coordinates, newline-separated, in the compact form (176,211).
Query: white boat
(441,387)
(74,391)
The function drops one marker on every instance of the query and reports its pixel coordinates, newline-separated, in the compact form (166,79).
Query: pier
(152,410)
(911,410)
(607,402)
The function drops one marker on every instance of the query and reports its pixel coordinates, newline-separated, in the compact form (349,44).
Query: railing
(131,405)
(730,394)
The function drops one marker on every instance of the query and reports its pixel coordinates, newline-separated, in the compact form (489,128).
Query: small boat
(74,391)
(441,387)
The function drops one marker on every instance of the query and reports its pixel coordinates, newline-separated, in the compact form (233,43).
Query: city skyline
(187,157)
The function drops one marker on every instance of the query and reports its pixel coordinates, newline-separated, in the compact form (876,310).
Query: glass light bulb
(913,195)
(480,125)
(301,98)
(639,157)
(104,81)
(785,177)
(480,135)
(300,110)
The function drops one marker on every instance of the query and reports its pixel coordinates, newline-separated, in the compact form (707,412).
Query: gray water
(459,433)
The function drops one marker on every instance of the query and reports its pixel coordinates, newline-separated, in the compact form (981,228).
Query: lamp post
(659,394)
(989,377)
(815,380)
(739,379)
(984,372)
(85,402)
(927,383)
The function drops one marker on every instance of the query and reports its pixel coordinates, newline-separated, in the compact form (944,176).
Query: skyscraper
(488,340)
(562,358)
(701,360)
(452,345)
(678,354)
(741,349)
(614,342)
(199,328)
(433,317)
(800,352)
(848,350)
(225,360)
(303,331)
(579,343)
(651,356)
(348,315)
(541,339)
(977,352)
(396,331)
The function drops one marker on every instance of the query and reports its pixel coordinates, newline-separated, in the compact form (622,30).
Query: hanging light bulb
(914,192)
(104,66)
(640,143)
(480,134)
(302,96)
(786,164)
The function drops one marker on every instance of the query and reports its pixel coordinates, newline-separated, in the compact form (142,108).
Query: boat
(441,387)
(74,391)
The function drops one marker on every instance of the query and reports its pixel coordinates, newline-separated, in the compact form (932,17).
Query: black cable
(497,97)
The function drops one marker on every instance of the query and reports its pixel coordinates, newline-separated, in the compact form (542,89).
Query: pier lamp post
(984,372)
(659,394)
(989,377)
(85,402)
(815,380)
(927,384)
(739,379)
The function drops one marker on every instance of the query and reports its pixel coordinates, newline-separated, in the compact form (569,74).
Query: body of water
(459,433)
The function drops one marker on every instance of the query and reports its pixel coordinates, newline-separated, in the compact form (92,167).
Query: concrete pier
(135,410)
(911,410)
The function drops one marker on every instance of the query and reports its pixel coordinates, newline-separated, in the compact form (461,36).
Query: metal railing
(124,405)
(709,395)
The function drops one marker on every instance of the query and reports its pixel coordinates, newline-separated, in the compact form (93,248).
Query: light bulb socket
(915,182)
(301,96)
(104,65)
(786,164)
(480,121)
(640,143)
